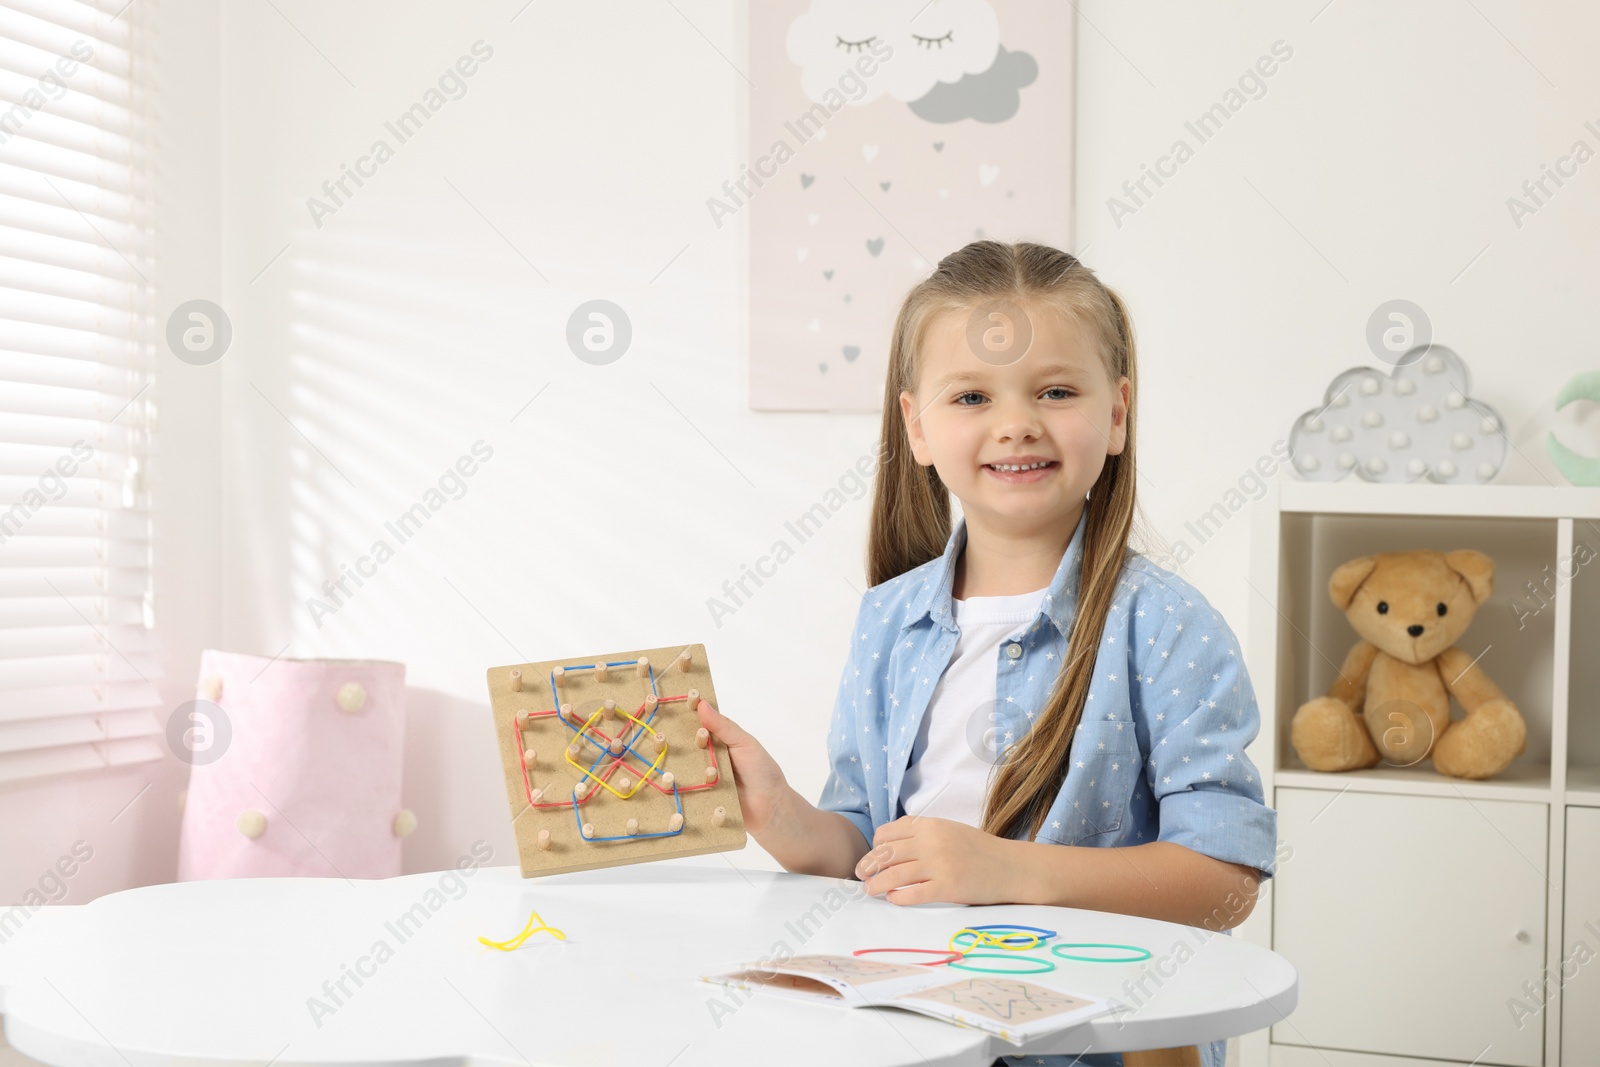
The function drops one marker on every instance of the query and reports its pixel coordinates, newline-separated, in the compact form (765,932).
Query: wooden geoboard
(605,762)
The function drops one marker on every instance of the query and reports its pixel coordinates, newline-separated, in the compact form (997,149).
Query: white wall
(1377,165)
(373,351)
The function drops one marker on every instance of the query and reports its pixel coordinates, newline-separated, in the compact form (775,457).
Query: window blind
(79,669)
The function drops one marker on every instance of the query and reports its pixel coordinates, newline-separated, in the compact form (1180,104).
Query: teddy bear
(1391,700)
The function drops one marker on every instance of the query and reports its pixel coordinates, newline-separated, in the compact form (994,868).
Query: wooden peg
(516,681)
(658,741)
(666,780)
(537,795)
(609,708)
(701,737)
(685,658)
(527,757)
(588,829)
(624,782)
(571,715)
(616,746)
(600,670)
(711,774)
(573,750)
(650,703)
(544,840)
(719,815)
(676,822)
(633,826)
(560,676)
(644,666)
(693,703)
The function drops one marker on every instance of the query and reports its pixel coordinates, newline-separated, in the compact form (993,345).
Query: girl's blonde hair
(911,521)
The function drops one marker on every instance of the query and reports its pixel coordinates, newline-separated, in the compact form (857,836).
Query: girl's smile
(1022,469)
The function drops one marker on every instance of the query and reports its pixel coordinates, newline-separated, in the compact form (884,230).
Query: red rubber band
(949,957)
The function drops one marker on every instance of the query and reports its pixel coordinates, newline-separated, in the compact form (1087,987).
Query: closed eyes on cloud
(827,39)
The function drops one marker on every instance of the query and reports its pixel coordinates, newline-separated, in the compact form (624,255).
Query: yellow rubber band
(581,769)
(530,929)
(988,940)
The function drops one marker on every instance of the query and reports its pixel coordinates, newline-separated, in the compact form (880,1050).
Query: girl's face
(1053,405)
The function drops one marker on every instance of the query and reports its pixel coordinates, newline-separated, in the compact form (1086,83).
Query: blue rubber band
(629,837)
(1044,935)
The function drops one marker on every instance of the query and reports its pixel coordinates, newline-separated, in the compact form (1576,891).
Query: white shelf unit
(1417,905)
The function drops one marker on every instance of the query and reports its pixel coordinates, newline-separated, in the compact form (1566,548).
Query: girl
(1031,712)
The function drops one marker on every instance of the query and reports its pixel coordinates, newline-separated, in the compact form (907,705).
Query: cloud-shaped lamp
(1417,423)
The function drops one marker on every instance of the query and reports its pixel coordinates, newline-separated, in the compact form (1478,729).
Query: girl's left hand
(916,859)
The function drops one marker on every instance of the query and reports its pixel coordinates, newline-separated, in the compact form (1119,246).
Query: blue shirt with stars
(1159,751)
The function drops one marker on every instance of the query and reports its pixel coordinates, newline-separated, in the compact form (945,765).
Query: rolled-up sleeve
(1200,711)
(846,788)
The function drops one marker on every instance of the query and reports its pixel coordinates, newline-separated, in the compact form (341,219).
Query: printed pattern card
(1011,1009)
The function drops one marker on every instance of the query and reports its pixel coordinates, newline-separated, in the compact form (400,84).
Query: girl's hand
(756,774)
(916,859)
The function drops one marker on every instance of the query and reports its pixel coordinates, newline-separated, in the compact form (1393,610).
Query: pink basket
(295,769)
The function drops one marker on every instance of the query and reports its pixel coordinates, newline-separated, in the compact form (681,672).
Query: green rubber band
(1055,950)
(962,965)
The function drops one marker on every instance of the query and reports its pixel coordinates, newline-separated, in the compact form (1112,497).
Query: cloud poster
(885,134)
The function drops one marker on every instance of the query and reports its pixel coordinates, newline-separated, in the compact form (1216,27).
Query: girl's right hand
(757,776)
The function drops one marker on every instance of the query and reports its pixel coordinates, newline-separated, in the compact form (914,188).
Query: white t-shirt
(948,776)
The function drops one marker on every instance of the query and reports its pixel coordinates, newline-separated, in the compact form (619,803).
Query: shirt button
(1014,650)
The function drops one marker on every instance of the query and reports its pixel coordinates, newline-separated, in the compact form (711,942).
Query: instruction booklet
(1011,1009)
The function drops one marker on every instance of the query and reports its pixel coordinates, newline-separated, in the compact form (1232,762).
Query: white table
(200,972)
